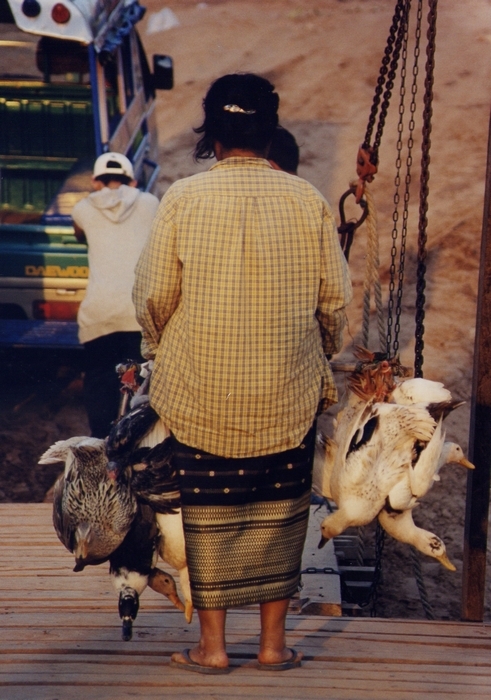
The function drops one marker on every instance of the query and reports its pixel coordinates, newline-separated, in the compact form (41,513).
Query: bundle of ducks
(118,501)
(386,452)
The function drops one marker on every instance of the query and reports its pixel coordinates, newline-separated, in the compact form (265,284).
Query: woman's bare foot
(197,656)
(273,657)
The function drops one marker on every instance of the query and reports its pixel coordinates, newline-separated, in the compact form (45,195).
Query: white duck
(396,517)
(385,456)
(370,460)
(172,545)
(401,527)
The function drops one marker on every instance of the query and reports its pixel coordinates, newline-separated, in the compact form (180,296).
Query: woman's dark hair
(249,119)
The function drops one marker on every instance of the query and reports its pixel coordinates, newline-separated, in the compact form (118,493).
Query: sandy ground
(324,58)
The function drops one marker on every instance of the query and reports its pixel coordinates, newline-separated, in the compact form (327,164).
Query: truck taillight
(60,13)
(55,310)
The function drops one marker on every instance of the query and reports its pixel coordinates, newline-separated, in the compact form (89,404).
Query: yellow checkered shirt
(241,291)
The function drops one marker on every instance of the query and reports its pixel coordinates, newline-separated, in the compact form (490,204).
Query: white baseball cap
(113,164)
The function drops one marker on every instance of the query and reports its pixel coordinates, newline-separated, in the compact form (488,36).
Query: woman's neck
(221,152)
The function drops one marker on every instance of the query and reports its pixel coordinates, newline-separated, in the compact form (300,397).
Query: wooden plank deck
(60,640)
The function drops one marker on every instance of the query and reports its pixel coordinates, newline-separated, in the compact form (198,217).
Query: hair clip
(235,109)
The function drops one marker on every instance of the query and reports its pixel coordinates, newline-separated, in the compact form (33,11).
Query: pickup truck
(74,83)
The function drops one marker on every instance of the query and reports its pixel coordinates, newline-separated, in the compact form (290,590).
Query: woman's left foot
(184,661)
(293,660)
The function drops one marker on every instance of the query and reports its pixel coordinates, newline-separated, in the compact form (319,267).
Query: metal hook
(347,228)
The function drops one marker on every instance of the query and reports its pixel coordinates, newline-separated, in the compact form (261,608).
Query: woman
(241,292)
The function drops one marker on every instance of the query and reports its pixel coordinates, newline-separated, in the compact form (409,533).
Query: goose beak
(445,561)
(322,542)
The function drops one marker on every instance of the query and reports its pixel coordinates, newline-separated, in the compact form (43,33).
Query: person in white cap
(114,221)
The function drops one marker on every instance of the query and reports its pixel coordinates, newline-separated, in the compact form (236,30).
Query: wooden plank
(60,638)
(244,680)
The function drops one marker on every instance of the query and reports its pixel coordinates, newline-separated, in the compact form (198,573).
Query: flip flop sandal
(191,665)
(294,662)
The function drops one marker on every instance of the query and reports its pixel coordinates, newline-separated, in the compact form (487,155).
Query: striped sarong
(245,522)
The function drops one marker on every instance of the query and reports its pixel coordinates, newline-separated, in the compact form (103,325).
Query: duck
(428,457)
(371,458)
(400,525)
(92,513)
(385,455)
(141,444)
(132,567)
(99,519)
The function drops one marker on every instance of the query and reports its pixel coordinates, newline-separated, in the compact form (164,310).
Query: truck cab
(74,83)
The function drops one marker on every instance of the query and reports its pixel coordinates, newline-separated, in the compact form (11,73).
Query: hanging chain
(424,190)
(386,78)
(377,574)
(397,183)
(395,298)
(418,575)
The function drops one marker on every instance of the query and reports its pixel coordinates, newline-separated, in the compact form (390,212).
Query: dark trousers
(102,393)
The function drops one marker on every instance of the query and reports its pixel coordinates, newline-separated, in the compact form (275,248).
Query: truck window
(27,57)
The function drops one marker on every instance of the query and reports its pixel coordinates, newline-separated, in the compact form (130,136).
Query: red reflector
(55,310)
(60,13)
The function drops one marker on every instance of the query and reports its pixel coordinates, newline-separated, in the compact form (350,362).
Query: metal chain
(397,183)
(377,574)
(418,575)
(393,38)
(404,13)
(424,179)
(395,298)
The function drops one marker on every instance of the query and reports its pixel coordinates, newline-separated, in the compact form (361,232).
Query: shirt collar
(236,161)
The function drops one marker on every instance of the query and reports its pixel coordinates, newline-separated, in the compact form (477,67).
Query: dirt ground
(323,57)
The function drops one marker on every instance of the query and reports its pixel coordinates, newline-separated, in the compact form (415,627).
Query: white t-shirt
(116,223)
